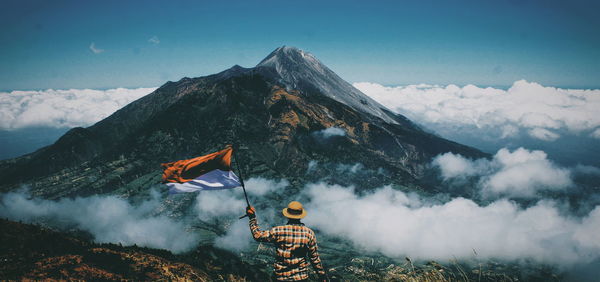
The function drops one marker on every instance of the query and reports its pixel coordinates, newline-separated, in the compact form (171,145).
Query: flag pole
(237,164)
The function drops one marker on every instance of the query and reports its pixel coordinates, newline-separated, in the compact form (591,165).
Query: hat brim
(294,216)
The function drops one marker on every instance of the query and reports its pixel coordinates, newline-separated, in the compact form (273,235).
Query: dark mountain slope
(276,110)
(31,252)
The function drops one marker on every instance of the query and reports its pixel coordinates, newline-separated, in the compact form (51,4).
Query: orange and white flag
(209,172)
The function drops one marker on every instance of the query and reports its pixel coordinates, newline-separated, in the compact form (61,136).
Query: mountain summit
(301,70)
(295,118)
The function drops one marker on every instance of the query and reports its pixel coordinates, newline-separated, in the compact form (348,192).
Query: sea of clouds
(526,107)
(384,220)
(398,224)
(63,108)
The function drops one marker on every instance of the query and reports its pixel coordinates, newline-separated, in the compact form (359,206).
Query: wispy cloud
(94,49)
(329,132)
(596,134)
(154,40)
(63,108)
(543,134)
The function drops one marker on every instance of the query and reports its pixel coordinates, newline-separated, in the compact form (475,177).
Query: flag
(209,172)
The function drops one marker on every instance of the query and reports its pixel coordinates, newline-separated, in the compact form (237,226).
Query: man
(293,241)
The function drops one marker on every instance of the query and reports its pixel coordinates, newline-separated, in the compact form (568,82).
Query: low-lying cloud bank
(539,111)
(63,108)
(520,173)
(384,220)
(398,224)
(109,219)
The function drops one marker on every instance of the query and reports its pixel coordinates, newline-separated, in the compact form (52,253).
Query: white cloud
(329,132)
(520,173)
(218,206)
(260,186)
(508,131)
(391,222)
(523,173)
(596,134)
(587,232)
(63,108)
(350,168)
(543,134)
(212,204)
(385,220)
(154,40)
(452,165)
(110,219)
(586,169)
(525,105)
(312,166)
(94,49)
(217,203)
(237,238)
(107,218)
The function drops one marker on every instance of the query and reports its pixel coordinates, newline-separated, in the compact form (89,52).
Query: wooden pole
(237,164)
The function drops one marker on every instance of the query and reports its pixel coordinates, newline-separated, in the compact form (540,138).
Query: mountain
(291,116)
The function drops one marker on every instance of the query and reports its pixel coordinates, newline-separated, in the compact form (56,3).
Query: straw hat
(294,210)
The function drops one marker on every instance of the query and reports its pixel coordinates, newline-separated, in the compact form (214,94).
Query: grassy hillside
(33,252)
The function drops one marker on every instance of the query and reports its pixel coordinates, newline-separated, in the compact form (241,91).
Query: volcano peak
(300,70)
(288,56)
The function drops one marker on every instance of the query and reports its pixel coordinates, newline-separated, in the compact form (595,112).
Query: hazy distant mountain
(290,113)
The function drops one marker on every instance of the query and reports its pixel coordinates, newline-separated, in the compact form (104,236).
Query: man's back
(294,242)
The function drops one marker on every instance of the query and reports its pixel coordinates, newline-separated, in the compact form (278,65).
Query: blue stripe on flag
(214,180)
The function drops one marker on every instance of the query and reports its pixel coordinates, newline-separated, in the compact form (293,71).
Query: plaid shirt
(294,242)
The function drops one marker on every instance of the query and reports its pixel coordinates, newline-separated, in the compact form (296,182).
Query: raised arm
(259,235)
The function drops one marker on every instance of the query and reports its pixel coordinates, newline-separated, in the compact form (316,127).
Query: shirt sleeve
(313,253)
(259,235)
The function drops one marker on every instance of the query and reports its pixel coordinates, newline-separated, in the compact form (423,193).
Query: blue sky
(46,44)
